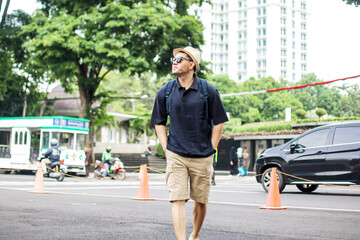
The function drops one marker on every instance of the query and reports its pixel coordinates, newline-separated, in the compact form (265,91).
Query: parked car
(328,154)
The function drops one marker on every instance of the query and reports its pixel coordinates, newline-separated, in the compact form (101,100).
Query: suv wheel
(265,180)
(307,187)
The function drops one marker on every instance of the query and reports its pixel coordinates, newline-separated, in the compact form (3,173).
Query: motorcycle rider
(52,155)
(106,160)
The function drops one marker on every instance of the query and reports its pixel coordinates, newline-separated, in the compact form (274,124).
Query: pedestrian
(234,163)
(88,160)
(197,119)
(214,165)
(106,159)
(242,166)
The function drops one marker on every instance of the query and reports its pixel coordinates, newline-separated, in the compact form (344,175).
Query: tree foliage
(355,2)
(17,78)
(80,42)
(320,112)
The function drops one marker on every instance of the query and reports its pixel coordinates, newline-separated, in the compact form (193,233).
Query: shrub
(300,113)
(320,112)
(159,151)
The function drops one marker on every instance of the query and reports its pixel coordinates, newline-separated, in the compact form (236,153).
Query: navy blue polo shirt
(191,118)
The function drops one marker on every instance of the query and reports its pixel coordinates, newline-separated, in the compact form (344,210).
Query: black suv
(324,155)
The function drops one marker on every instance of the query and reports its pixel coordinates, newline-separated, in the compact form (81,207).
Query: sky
(333,37)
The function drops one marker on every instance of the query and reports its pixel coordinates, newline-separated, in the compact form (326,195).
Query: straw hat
(193,53)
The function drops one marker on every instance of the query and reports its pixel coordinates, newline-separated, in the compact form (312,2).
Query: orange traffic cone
(140,171)
(273,198)
(39,186)
(143,193)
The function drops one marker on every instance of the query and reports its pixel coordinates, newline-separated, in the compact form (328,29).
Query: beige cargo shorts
(180,171)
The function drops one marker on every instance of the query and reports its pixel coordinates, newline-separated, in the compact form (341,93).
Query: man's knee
(178,202)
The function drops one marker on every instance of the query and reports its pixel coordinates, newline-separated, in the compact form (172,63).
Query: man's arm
(216,134)
(162,135)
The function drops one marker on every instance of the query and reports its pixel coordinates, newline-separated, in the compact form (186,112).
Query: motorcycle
(55,170)
(116,169)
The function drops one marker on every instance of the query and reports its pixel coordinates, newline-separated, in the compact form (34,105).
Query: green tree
(80,42)
(318,96)
(349,104)
(355,2)
(320,112)
(19,91)
(300,113)
(274,106)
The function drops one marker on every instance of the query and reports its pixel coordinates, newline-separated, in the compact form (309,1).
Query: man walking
(197,119)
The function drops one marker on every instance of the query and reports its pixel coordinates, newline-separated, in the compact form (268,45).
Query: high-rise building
(255,38)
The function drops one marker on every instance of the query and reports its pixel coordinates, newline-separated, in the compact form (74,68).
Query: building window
(303,6)
(303,26)
(303,56)
(283,31)
(283,42)
(303,46)
(283,10)
(293,44)
(283,63)
(303,67)
(293,66)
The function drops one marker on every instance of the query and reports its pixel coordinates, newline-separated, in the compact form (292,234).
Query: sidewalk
(224,172)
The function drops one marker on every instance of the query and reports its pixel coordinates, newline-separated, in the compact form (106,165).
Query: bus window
(20,138)
(81,141)
(45,140)
(16,138)
(4,144)
(34,145)
(66,140)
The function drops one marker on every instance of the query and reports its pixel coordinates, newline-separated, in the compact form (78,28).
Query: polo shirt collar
(194,85)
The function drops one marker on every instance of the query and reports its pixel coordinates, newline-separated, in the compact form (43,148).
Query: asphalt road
(79,208)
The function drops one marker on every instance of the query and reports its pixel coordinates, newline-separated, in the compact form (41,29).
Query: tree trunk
(42,107)
(25,105)
(5,13)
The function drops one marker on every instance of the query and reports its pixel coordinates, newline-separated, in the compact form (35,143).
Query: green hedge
(327,120)
(265,127)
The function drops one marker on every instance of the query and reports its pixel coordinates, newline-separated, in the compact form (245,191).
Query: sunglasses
(178,59)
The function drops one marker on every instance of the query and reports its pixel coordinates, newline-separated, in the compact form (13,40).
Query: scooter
(55,170)
(116,170)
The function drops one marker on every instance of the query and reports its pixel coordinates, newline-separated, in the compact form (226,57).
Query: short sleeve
(216,108)
(159,114)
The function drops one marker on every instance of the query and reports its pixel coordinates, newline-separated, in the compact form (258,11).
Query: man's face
(184,66)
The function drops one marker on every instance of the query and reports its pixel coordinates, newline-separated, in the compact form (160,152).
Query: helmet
(54,142)
(108,149)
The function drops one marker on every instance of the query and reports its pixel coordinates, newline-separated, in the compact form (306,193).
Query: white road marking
(211,202)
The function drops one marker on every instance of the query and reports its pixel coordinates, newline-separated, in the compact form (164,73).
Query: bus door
(34,145)
(20,147)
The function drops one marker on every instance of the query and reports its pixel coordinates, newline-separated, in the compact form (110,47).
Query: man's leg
(179,219)
(199,213)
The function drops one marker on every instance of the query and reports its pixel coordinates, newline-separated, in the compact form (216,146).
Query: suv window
(346,135)
(314,139)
